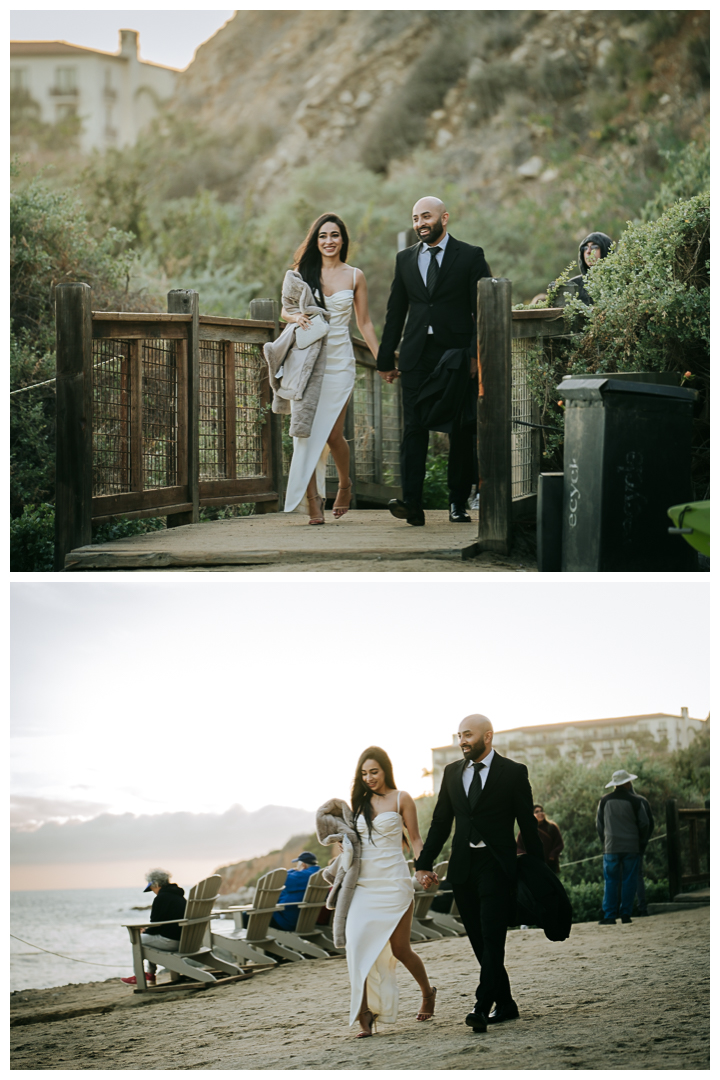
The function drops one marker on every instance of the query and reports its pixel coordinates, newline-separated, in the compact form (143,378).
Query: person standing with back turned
(435,287)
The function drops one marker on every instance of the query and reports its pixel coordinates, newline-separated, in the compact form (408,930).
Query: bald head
(429,202)
(475,735)
(430,218)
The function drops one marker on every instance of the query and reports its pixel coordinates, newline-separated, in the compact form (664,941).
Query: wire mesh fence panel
(250,414)
(159,413)
(366,384)
(392,434)
(111,417)
(212,411)
(522,409)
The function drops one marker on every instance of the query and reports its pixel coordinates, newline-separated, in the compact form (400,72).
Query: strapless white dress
(311,454)
(381,897)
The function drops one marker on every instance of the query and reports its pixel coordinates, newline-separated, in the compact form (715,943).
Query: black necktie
(433,269)
(476,786)
(473,795)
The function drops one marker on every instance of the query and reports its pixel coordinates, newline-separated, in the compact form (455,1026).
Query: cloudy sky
(222,697)
(167,36)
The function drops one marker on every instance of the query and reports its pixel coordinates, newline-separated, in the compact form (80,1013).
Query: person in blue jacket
(294,891)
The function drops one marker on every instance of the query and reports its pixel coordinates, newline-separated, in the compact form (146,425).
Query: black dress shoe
(458,512)
(497,1016)
(478,1021)
(410,512)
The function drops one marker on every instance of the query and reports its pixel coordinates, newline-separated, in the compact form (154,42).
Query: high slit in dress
(311,454)
(383,893)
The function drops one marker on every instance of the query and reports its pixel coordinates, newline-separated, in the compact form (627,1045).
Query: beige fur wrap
(334,824)
(296,375)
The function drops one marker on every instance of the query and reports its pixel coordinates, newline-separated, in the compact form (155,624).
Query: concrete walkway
(363,541)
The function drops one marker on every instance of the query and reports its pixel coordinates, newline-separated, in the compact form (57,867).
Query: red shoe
(132,981)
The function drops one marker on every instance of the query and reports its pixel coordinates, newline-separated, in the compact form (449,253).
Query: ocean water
(85,924)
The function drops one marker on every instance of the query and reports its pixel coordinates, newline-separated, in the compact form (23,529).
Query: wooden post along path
(267,310)
(73,468)
(187,302)
(494,322)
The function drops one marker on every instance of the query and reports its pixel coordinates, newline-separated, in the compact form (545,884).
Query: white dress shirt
(424,258)
(467,779)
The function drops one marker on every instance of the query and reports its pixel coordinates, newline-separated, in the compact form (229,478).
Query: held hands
(389,376)
(426,878)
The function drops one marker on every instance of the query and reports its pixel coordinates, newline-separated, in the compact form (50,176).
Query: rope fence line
(62,956)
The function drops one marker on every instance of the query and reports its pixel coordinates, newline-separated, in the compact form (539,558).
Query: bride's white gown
(381,897)
(311,454)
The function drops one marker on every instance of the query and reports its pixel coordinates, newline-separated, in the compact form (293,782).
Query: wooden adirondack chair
(193,958)
(257,943)
(448,920)
(307,937)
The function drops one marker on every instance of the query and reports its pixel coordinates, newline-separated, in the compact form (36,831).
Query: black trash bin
(627,457)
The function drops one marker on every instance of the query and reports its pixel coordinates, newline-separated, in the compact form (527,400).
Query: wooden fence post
(267,310)
(672,822)
(187,302)
(73,439)
(494,321)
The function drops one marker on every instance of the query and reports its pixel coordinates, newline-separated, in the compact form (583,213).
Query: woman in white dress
(378,925)
(320,260)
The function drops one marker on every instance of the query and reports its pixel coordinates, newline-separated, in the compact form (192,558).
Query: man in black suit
(435,286)
(484,795)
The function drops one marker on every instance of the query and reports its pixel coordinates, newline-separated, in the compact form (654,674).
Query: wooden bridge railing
(159,414)
(509,443)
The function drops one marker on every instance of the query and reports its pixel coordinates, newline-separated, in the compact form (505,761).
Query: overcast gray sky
(168,36)
(280,685)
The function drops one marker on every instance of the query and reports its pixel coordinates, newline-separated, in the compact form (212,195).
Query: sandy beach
(623,997)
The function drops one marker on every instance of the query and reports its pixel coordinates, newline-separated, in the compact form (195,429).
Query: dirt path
(623,997)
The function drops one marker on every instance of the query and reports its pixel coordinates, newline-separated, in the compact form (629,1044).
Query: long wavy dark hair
(308,260)
(361,795)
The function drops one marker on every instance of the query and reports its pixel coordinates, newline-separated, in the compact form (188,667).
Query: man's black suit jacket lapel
(496,766)
(451,250)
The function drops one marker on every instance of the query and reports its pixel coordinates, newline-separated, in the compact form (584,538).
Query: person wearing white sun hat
(623,826)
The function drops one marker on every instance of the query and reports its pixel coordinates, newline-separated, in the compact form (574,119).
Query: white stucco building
(588,742)
(114,94)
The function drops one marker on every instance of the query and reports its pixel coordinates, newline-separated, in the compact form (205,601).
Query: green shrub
(121,527)
(51,242)
(32,536)
(32,426)
(688,175)
(32,539)
(435,489)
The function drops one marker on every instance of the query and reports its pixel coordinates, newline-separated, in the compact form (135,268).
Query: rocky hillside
(239,876)
(504,101)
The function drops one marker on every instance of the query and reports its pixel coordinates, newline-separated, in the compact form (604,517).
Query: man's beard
(475,750)
(435,232)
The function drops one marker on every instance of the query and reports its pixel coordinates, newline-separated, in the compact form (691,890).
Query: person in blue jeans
(624,828)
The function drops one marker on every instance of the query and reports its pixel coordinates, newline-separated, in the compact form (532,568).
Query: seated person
(169,903)
(293,890)
(594,247)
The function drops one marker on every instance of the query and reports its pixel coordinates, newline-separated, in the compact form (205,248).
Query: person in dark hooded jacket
(594,247)
(169,903)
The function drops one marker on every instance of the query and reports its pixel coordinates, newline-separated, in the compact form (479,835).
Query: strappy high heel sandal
(373,1021)
(317,519)
(340,510)
(423,1015)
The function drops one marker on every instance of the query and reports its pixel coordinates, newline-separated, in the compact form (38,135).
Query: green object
(692,521)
